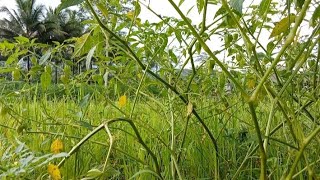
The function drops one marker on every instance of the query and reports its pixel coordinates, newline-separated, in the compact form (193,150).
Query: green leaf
(282,26)
(264,6)
(98,79)
(14,57)
(180,2)
(315,17)
(45,57)
(228,39)
(220,11)
(45,80)
(6,45)
(214,2)
(103,9)
(178,35)
(121,26)
(89,57)
(85,101)
(137,9)
(68,3)
(93,38)
(164,42)
(200,5)
(145,171)
(79,45)
(21,39)
(16,75)
(33,60)
(222,81)
(237,5)
(210,65)
(6,70)
(299,3)
(85,125)
(93,173)
(270,47)
(198,47)
(67,70)
(173,56)
(33,41)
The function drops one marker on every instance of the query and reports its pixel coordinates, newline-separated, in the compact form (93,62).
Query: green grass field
(180,145)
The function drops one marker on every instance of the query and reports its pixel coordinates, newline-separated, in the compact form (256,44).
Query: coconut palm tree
(29,20)
(60,26)
(24,21)
(71,23)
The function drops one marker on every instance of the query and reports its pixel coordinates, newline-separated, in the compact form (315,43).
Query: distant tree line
(35,21)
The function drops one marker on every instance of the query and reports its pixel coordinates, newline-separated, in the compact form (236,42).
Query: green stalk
(138,90)
(315,82)
(110,146)
(305,143)
(271,116)
(302,170)
(80,143)
(105,125)
(153,156)
(172,146)
(263,156)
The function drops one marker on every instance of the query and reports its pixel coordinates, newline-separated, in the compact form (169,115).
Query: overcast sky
(164,8)
(11,3)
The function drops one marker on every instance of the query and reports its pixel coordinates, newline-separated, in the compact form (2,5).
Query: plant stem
(305,143)
(80,143)
(153,156)
(110,146)
(263,156)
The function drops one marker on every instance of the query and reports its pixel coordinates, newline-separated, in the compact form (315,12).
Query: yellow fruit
(122,100)
(54,172)
(56,146)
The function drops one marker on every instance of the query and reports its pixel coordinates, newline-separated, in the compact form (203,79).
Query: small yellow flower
(122,101)
(54,172)
(56,146)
